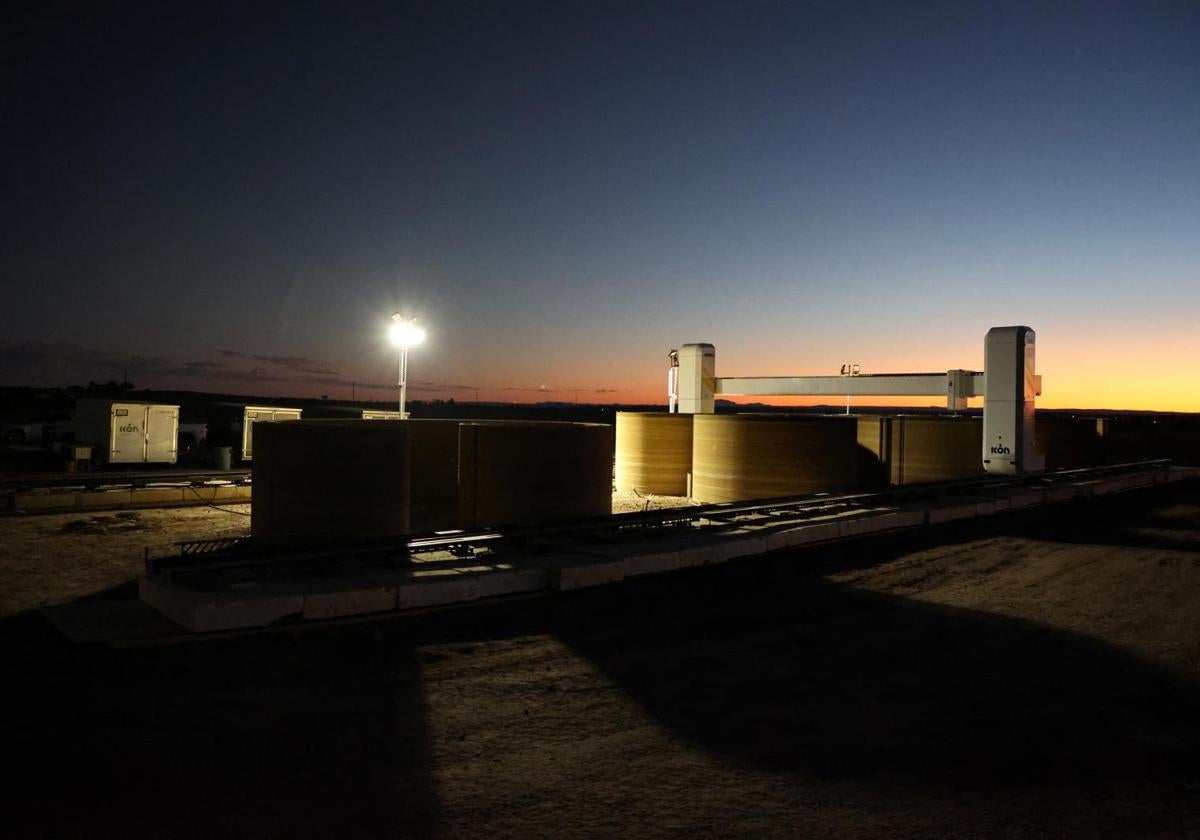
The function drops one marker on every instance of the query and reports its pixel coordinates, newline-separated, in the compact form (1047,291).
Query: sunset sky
(236,197)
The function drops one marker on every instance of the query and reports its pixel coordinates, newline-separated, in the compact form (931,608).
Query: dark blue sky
(565,191)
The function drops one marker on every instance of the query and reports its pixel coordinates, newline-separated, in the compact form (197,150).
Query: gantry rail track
(217,564)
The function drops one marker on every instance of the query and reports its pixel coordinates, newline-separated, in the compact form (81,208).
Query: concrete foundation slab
(802,535)
(103,498)
(34,502)
(1123,484)
(951,513)
(577,571)
(436,588)
(204,612)
(1026,498)
(505,579)
(157,496)
(652,564)
(340,603)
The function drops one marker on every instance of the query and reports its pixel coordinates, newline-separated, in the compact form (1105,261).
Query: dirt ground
(52,558)
(1031,676)
(631,501)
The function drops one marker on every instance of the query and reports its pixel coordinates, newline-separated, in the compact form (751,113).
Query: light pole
(404,333)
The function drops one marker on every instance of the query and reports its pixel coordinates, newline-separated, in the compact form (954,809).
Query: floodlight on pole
(404,333)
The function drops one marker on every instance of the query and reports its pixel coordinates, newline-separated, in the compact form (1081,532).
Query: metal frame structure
(1008,384)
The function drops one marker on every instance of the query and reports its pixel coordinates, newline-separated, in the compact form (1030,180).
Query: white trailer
(122,432)
(373,414)
(252,414)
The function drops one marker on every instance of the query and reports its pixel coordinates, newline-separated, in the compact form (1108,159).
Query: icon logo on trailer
(130,427)
(1001,449)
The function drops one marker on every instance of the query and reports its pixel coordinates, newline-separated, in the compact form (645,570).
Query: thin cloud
(298,364)
(540,389)
(64,363)
(415,385)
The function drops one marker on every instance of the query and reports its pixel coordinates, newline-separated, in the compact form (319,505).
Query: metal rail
(215,563)
(112,479)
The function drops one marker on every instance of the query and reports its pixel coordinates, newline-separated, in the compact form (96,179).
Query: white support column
(697,378)
(673,382)
(958,387)
(1010,385)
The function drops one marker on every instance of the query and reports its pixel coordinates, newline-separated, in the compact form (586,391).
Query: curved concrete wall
(654,452)
(740,457)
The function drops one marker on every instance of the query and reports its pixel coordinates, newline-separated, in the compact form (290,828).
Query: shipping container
(122,432)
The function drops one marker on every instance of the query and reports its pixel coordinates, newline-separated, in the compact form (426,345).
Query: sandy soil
(52,558)
(630,501)
(1032,676)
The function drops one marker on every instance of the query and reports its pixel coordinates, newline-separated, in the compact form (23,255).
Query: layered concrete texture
(512,473)
(737,457)
(654,452)
(1135,437)
(1068,442)
(945,448)
(433,474)
(330,480)
(874,454)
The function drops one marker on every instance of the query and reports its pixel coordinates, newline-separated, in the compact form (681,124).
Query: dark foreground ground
(1037,678)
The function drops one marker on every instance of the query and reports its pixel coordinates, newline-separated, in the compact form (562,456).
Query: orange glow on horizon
(1139,368)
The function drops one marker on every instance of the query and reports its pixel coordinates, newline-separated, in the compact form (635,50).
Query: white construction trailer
(123,432)
(252,414)
(1008,384)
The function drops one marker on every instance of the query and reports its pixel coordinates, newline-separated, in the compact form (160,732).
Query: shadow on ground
(772,664)
(765,664)
(841,684)
(280,736)
(1167,519)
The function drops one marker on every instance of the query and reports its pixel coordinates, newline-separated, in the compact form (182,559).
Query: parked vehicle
(45,428)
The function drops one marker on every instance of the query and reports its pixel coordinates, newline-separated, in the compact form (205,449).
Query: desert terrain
(1037,675)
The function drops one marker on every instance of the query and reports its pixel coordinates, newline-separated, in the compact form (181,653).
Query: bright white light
(405,333)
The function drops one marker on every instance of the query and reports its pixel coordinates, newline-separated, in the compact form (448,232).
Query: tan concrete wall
(1134,437)
(511,473)
(874,451)
(936,449)
(1068,442)
(330,479)
(742,457)
(433,481)
(653,452)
